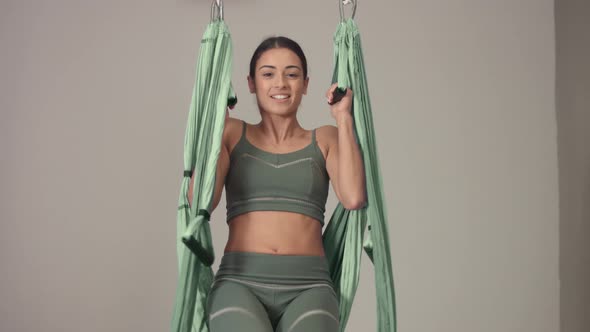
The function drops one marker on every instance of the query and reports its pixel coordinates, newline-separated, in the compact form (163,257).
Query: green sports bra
(259,180)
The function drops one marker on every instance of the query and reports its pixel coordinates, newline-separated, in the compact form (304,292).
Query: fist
(344,106)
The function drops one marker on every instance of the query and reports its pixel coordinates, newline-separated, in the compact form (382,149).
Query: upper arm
(222,169)
(222,164)
(231,125)
(330,136)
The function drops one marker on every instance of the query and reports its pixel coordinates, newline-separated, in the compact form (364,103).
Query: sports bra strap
(313,136)
(243,128)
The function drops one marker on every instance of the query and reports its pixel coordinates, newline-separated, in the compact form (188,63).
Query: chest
(271,174)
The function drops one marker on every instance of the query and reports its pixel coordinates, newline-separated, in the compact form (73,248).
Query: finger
(331,90)
(333,87)
(330,93)
(338,95)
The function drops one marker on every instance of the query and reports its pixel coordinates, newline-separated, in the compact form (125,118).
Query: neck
(277,129)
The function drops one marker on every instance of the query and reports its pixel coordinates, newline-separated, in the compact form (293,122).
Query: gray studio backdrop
(94,100)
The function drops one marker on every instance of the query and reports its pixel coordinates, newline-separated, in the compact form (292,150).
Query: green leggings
(258,292)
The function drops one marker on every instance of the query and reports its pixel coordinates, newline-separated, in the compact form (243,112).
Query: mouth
(280,97)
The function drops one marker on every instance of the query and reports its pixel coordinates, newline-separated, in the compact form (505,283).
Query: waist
(272,268)
(275,232)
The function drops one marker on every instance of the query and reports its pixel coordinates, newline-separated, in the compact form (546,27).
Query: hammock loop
(342,3)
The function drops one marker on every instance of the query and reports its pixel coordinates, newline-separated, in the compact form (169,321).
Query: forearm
(190,189)
(351,174)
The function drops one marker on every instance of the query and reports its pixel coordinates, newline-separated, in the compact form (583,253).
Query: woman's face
(278,81)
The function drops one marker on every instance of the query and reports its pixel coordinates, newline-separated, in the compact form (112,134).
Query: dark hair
(278,42)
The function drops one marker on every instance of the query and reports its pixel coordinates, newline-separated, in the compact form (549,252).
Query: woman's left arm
(344,161)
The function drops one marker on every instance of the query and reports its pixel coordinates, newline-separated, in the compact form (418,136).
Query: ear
(305,84)
(251,84)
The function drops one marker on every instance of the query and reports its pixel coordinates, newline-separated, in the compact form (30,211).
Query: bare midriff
(275,232)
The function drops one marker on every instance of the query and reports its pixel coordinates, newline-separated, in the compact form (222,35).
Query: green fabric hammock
(212,93)
(344,233)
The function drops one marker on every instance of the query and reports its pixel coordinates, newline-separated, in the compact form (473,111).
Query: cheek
(259,87)
(302,90)
(264,85)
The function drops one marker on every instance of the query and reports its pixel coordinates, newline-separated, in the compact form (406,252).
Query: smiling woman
(277,175)
(280,271)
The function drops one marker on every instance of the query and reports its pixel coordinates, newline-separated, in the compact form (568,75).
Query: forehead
(279,57)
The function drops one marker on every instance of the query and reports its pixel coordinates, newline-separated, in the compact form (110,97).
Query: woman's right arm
(222,165)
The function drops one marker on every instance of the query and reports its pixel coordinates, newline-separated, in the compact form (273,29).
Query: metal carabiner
(342,3)
(217,10)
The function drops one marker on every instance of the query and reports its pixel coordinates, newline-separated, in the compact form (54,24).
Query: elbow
(355,201)
(355,204)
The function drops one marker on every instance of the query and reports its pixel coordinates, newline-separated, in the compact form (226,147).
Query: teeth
(280,97)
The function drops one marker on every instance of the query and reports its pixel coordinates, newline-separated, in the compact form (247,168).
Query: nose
(280,81)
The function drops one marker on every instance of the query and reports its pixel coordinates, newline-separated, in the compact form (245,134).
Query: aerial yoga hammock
(343,236)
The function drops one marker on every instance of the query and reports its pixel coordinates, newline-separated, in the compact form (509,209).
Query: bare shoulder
(327,135)
(232,125)
(232,132)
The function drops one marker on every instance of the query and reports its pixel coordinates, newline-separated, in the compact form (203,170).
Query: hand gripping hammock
(343,236)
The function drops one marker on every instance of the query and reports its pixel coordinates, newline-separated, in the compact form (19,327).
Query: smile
(280,97)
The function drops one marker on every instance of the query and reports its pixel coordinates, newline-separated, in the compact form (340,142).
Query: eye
(267,74)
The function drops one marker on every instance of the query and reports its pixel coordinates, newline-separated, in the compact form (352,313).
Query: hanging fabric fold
(343,236)
(212,94)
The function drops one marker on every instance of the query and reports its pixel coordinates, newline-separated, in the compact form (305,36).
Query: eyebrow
(273,67)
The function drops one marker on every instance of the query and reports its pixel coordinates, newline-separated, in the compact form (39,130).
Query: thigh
(314,310)
(233,307)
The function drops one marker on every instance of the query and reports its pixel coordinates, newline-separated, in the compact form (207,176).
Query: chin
(282,112)
(279,110)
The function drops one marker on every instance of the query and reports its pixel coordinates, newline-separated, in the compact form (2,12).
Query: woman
(273,275)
